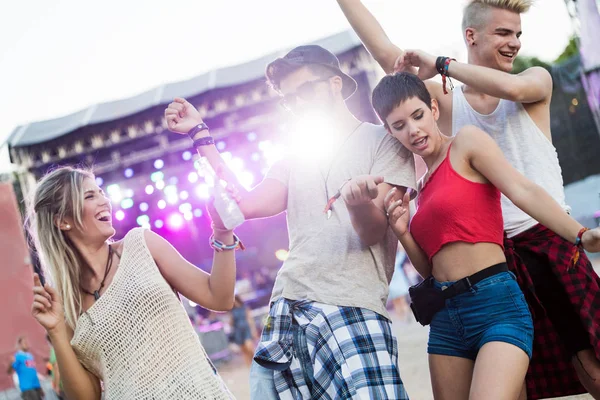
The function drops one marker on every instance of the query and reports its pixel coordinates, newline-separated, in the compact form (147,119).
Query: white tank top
(524,145)
(137,338)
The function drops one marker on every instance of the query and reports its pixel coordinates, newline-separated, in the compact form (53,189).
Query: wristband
(198,128)
(205,141)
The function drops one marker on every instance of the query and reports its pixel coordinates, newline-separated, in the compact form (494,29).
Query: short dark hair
(394,90)
(279,72)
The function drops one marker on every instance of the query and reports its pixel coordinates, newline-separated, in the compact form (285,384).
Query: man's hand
(591,240)
(361,190)
(181,116)
(424,62)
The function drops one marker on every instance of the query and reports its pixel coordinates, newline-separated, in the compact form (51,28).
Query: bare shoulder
(435,88)
(469,138)
(537,72)
(154,241)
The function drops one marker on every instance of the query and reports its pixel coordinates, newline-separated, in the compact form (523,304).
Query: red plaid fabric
(551,372)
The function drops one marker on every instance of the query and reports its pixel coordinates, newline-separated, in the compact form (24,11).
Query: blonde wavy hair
(59,194)
(475,12)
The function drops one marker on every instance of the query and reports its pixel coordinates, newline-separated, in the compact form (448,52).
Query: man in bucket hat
(328,334)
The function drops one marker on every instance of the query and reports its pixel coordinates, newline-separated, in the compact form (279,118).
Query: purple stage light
(255,157)
(149,189)
(120,215)
(160,185)
(161,204)
(251,136)
(198,213)
(143,220)
(221,145)
(158,164)
(184,195)
(159,223)
(128,173)
(187,156)
(202,191)
(173,180)
(99,181)
(126,203)
(188,216)
(157,176)
(246,178)
(114,192)
(143,207)
(185,207)
(175,221)
(193,177)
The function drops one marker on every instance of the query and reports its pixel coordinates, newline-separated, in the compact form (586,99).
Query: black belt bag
(427,300)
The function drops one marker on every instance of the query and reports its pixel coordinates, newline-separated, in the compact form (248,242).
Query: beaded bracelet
(578,246)
(580,235)
(219,246)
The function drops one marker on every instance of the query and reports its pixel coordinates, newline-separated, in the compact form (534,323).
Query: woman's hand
(398,211)
(47,308)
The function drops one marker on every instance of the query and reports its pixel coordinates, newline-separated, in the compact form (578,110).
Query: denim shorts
(493,310)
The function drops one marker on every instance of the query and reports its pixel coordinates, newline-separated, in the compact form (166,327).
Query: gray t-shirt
(327,262)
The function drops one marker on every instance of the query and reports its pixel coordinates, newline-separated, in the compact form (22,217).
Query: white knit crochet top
(137,338)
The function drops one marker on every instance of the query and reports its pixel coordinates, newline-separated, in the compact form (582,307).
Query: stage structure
(149,173)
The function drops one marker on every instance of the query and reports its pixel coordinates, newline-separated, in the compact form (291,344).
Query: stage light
(160,185)
(175,221)
(221,145)
(282,254)
(126,203)
(172,198)
(149,189)
(255,157)
(185,207)
(161,204)
(143,220)
(251,136)
(271,152)
(114,192)
(129,193)
(198,213)
(226,156)
(99,181)
(171,189)
(120,215)
(183,195)
(158,164)
(192,304)
(202,191)
(159,223)
(303,135)
(193,177)
(128,173)
(210,180)
(236,164)
(143,207)
(187,156)
(246,179)
(188,216)
(157,176)
(173,180)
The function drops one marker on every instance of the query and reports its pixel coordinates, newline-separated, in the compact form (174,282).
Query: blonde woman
(112,313)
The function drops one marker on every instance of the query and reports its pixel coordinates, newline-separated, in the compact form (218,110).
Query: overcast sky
(57,57)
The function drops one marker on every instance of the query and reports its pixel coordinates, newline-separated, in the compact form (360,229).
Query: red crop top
(451,208)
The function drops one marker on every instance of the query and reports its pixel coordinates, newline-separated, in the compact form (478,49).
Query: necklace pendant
(96,295)
(328,213)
